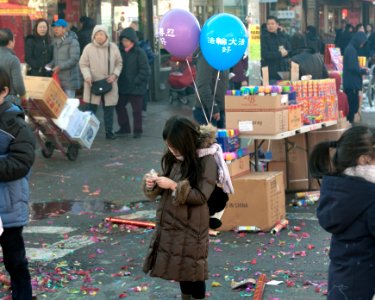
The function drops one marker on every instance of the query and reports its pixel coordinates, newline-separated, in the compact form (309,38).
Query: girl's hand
(166,183)
(150,181)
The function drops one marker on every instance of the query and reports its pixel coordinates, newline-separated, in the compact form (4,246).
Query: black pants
(108,112)
(353,100)
(197,289)
(15,263)
(122,113)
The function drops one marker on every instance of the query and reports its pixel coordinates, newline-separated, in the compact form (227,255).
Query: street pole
(254,70)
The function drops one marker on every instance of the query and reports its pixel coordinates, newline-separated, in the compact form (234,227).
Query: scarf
(223,172)
(366,172)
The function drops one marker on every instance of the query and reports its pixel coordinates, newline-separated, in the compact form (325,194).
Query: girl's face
(42,28)
(175,152)
(100,37)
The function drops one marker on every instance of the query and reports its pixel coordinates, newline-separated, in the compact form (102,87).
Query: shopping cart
(48,134)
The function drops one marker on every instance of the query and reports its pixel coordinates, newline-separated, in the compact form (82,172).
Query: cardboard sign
(265,76)
(294,71)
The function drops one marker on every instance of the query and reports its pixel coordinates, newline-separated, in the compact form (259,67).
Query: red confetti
(253,261)
(122,296)
(296,228)
(310,246)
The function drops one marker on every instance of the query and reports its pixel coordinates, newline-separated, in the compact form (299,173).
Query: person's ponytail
(320,162)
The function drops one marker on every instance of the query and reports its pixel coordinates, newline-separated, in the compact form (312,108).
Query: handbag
(102,87)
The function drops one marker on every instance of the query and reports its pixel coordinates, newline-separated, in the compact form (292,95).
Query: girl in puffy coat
(347,211)
(179,246)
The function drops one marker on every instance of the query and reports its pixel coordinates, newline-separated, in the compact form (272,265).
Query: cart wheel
(48,151)
(72,152)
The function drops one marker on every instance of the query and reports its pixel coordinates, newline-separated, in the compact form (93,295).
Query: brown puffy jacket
(179,246)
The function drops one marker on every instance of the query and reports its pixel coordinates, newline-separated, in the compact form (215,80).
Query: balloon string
(197,92)
(213,99)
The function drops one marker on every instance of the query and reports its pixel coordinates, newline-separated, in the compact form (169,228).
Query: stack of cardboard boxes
(50,102)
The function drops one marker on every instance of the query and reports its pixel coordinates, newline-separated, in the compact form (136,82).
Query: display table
(285,135)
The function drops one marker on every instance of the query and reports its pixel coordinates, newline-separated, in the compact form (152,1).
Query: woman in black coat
(132,83)
(38,49)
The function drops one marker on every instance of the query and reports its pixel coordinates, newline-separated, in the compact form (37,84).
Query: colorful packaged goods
(228,139)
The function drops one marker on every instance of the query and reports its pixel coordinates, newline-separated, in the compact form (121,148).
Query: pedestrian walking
(17,146)
(38,50)
(179,246)
(101,60)
(352,73)
(66,55)
(347,211)
(11,64)
(133,82)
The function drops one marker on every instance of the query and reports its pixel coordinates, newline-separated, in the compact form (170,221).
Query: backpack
(145,45)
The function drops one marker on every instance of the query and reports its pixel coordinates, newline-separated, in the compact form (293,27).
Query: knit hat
(99,28)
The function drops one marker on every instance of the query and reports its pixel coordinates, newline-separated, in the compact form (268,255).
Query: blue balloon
(223,41)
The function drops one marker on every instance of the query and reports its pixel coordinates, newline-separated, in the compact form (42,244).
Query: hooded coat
(352,73)
(136,72)
(179,246)
(38,53)
(94,65)
(347,210)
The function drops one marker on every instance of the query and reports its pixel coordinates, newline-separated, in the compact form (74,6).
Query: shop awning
(13,9)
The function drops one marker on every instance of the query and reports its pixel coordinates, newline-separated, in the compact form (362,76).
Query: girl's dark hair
(354,142)
(182,135)
(4,80)
(35,29)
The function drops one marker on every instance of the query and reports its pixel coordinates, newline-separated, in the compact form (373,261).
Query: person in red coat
(341,96)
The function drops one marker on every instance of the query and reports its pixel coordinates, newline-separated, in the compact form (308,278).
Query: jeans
(122,113)
(108,115)
(198,116)
(70,93)
(353,100)
(15,262)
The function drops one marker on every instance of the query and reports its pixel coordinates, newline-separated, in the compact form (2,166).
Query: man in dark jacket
(206,105)
(132,83)
(352,73)
(310,63)
(85,34)
(275,48)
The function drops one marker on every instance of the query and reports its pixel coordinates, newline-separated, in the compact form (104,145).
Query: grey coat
(11,64)
(66,54)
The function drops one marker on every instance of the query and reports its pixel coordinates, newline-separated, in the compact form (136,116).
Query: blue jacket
(352,73)
(347,211)
(17,145)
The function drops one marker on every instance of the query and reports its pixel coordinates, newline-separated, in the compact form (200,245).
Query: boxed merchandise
(265,122)
(294,117)
(259,200)
(239,167)
(228,139)
(70,107)
(255,102)
(83,127)
(47,94)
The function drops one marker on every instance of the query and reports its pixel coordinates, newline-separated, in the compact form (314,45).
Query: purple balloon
(179,32)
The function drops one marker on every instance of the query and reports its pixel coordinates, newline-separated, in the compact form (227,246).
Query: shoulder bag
(102,87)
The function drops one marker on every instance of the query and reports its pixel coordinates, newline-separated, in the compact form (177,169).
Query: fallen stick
(259,289)
(131,222)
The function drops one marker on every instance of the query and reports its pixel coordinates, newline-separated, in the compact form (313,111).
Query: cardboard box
(83,127)
(298,176)
(239,167)
(255,103)
(258,200)
(317,136)
(47,94)
(250,123)
(69,109)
